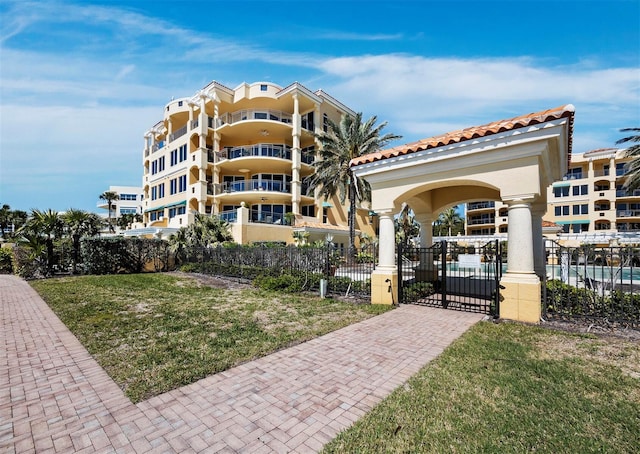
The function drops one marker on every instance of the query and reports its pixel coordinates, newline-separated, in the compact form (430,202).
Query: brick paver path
(55,398)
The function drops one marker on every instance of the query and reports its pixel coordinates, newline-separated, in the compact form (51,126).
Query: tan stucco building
(243,154)
(589,204)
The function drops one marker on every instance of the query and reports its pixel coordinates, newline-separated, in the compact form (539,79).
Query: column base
(520,297)
(384,286)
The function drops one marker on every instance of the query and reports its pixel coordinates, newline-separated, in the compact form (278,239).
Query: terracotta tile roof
(473,133)
(550,224)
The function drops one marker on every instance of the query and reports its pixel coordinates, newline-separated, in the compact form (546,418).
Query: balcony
(628,213)
(254,114)
(267,218)
(179,133)
(481,221)
(601,173)
(230,216)
(257,185)
(624,193)
(480,205)
(270,150)
(157,146)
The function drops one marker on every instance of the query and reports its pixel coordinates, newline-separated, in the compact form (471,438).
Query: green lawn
(155,332)
(510,388)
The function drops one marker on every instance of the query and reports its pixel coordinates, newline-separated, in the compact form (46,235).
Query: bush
(124,255)
(6,261)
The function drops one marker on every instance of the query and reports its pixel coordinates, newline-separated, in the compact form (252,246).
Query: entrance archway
(509,160)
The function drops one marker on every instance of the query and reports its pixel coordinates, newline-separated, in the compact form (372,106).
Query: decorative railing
(481,205)
(179,133)
(256,114)
(257,185)
(628,213)
(271,150)
(158,145)
(624,193)
(477,221)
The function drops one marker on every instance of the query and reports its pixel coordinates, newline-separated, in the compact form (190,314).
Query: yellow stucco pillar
(521,286)
(384,279)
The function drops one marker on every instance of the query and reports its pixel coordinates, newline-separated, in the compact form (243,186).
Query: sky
(82,81)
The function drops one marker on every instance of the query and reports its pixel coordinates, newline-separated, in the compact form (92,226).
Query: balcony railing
(271,150)
(158,145)
(257,185)
(481,205)
(478,221)
(255,114)
(267,218)
(601,173)
(230,216)
(628,213)
(623,193)
(179,133)
(195,123)
(574,176)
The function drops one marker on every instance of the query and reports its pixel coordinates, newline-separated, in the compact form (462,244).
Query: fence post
(443,262)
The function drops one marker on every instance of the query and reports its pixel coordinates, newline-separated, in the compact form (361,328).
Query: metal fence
(451,276)
(312,267)
(601,284)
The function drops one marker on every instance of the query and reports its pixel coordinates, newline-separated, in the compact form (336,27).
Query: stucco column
(384,279)
(387,241)
(296,184)
(426,229)
(520,238)
(539,253)
(426,271)
(520,284)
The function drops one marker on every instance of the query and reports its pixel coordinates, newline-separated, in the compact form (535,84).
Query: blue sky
(81,82)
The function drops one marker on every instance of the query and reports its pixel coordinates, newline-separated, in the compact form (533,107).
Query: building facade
(129,202)
(243,154)
(589,203)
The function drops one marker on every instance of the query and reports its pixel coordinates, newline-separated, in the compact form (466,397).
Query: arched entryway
(510,160)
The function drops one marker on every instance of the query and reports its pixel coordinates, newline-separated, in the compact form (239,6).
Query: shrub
(6,261)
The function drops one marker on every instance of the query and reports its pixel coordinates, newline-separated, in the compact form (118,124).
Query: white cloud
(422,96)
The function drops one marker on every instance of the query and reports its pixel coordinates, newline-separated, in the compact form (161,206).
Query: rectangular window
(561,191)
(263,87)
(161,164)
(582,189)
(174,157)
(154,193)
(580,209)
(161,190)
(154,167)
(183,153)
(182,183)
(172,186)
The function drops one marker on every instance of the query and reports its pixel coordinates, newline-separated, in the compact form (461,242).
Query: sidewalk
(54,397)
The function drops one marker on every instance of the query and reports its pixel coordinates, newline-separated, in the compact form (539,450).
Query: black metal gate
(451,275)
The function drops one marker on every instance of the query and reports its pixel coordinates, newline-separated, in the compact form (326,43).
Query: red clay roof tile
(475,132)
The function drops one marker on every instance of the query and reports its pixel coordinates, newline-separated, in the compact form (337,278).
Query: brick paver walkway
(55,398)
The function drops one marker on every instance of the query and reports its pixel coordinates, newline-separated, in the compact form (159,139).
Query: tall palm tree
(407,227)
(110,197)
(79,223)
(340,144)
(449,221)
(633,168)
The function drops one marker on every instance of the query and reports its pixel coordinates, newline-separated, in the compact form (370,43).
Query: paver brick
(296,400)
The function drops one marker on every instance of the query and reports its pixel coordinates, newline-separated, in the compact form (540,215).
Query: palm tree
(5,219)
(633,168)
(406,226)
(110,197)
(79,223)
(449,222)
(339,145)
(47,224)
